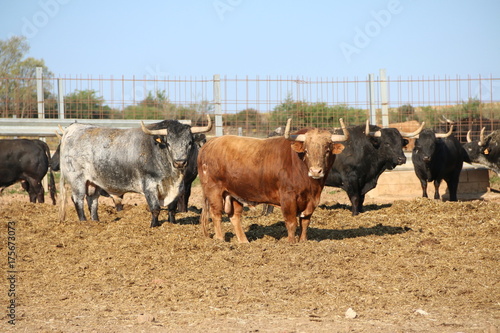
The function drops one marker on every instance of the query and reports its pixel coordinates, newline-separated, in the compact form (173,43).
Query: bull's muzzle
(426,159)
(401,160)
(180,164)
(316,173)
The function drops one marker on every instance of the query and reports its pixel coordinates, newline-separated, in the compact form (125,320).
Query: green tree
(85,104)
(158,106)
(18,80)
(318,114)
(406,112)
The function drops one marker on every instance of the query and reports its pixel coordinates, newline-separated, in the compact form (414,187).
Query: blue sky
(243,37)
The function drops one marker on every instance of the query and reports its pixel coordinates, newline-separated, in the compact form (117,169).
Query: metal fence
(255,106)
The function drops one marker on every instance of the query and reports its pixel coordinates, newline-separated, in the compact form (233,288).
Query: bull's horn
(367,130)
(468,136)
(58,135)
(449,121)
(413,134)
(203,129)
(60,128)
(344,137)
(153,132)
(481,137)
(445,135)
(300,137)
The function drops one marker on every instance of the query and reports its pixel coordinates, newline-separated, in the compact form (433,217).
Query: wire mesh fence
(255,106)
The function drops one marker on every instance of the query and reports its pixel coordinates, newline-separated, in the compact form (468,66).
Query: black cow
(485,151)
(369,151)
(26,161)
(436,157)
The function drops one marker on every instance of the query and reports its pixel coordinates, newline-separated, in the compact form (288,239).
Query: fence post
(384,98)
(60,98)
(39,93)
(371,92)
(218,107)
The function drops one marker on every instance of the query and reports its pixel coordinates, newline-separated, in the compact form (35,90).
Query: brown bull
(288,171)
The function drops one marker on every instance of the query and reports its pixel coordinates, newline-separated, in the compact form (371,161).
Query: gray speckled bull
(148,160)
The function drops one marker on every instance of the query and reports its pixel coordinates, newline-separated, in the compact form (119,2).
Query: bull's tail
(52,184)
(62,199)
(205,215)
(52,187)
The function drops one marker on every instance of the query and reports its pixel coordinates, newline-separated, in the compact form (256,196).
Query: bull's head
(425,145)
(318,148)
(475,149)
(179,141)
(164,131)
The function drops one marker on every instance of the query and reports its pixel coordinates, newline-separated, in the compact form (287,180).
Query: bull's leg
(34,189)
(213,205)
(78,201)
(172,209)
(354,198)
(267,209)
(154,207)
(360,203)
(182,199)
(30,189)
(423,183)
(289,214)
(235,218)
(40,193)
(118,202)
(216,209)
(436,188)
(92,202)
(453,187)
(304,224)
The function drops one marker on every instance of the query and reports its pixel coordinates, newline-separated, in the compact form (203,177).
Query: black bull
(26,161)
(150,161)
(435,157)
(369,151)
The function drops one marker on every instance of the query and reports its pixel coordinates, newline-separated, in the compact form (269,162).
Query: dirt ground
(418,265)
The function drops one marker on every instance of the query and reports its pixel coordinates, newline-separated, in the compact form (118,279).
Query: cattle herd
(289,171)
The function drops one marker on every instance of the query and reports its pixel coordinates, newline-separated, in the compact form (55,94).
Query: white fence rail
(48,127)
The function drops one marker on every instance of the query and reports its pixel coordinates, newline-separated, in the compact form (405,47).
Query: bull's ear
(375,141)
(159,140)
(298,146)
(199,137)
(337,148)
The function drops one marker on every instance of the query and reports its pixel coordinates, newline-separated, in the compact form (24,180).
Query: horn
(60,128)
(468,136)
(300,137)
(153,132)
(344,130)
(376,134)
(415,133)
(203,129)
(58,135)
(446,120)
(445,135)
(481,137)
